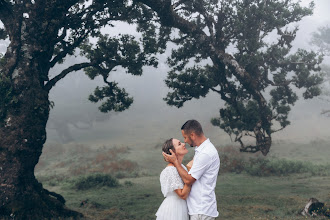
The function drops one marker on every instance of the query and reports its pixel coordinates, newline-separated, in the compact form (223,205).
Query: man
(202,204)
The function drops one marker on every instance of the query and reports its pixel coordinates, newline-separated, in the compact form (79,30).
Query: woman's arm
(183,193)
(186,178)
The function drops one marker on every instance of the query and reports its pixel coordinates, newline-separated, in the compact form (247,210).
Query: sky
(149,121)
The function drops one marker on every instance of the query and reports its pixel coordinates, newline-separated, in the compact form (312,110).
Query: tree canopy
(242,50)
(42,34)
(67,27)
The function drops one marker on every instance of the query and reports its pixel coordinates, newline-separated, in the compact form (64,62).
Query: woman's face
(180,148)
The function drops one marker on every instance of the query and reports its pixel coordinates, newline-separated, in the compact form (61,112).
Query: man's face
(187,138)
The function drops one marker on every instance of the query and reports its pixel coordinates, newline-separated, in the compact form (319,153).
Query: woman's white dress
(173,207)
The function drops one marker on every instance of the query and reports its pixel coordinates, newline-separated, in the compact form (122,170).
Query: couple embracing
(189,191)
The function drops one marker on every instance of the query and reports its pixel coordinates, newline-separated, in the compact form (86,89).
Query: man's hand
(189,165)
(170,158)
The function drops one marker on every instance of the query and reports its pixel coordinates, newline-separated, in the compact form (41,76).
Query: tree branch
(169,18)
(65,72)
(208,19)
(280,129)
(68,49)
(6,13)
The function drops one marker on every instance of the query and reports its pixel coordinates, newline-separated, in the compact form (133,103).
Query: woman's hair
(168,145)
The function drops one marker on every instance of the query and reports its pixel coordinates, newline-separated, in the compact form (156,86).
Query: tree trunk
(22,136)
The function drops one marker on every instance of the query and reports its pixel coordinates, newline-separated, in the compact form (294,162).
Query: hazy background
(149,120)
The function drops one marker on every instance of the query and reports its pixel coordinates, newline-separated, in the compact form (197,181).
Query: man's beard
(192,143)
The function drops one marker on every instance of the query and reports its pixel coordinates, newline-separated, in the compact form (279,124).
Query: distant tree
(240,49)
(321,39)
(41,35)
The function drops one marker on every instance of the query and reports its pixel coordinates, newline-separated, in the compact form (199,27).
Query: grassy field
(239,194)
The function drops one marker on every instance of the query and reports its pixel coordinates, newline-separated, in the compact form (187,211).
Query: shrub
(95,181)
(265,167)
(232,161)
(128,183)
(235,162)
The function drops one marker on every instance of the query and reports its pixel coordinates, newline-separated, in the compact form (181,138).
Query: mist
(150,121)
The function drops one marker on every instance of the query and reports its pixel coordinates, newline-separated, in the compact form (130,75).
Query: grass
(240,195)
(246,197)
(137,200)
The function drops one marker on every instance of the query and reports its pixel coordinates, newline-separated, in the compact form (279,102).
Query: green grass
(245,197)
(137,200)
(239,196)
(316,151)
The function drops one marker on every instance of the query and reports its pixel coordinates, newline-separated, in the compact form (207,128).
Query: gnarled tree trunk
(25,111)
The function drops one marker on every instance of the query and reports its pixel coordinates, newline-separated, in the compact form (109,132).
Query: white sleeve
(170,181)
(201,164)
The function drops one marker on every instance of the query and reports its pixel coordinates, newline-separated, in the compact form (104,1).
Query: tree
(241,50)
(321,39)
(42,34)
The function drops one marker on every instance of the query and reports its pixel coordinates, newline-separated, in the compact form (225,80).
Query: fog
(150,120)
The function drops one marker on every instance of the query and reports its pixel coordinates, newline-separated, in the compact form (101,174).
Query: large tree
(241,50)
(41,35)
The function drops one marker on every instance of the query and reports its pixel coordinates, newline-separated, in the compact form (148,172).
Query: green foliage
(109,53)
(233,162)
(67,30)
(117,99)
(96,181)
(236,120)
(206,61)
(128,183)
(188,85)
(265,167)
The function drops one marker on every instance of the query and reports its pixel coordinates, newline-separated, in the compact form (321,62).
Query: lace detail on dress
(170,180)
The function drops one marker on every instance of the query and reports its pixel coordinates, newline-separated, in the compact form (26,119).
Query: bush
(95,181)
(232,161)
(128,183)
(235,162)
(278,167)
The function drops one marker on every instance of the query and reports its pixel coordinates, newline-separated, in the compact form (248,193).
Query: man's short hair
(192,126)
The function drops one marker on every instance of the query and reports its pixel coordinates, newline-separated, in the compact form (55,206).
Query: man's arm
(186,178)
(183,193)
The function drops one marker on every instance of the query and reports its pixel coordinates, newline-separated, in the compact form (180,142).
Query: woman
(174,206)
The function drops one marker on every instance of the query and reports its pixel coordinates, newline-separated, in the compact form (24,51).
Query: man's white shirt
(205,168)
